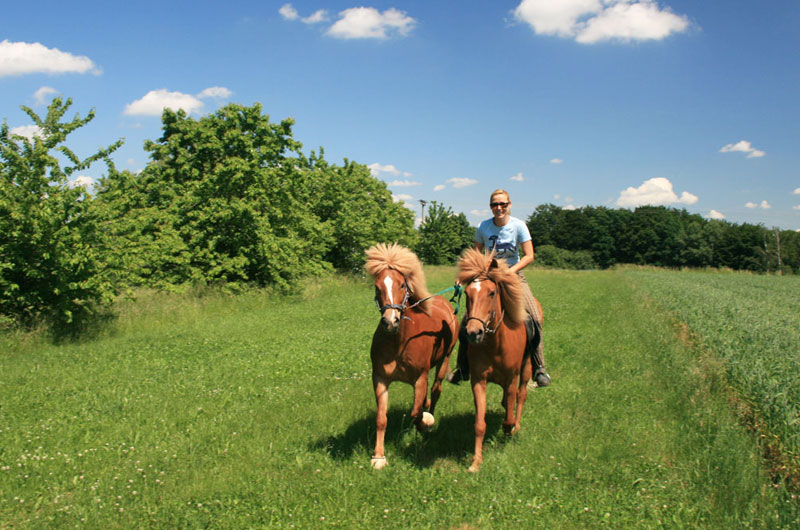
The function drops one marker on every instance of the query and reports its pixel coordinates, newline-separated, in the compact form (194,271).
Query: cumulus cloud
(796,191)
(439,187)
(518,177)
(318,16)
(764,205)
(713,214)
(556,161)
(377,170)
(42,95)
(288,12)
(154,102)
(461,182)
(219,92)
(743,146)
(796,207)
(403,183)
(402,197)
(27,131)
(656,191)
(82,180)
(20,58)
(369,23)
(592,21)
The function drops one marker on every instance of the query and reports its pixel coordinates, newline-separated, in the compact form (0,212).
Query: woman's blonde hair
(498,192)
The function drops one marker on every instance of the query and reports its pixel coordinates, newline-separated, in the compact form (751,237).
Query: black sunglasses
(493,204)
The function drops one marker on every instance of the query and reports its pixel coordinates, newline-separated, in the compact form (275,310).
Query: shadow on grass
(452,438)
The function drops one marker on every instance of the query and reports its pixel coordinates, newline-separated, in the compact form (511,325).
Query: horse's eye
(493,293)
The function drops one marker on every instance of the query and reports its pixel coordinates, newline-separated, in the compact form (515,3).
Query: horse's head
(484,306)
(391,294)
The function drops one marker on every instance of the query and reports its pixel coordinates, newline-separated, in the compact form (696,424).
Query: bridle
(492,315)
(401,307)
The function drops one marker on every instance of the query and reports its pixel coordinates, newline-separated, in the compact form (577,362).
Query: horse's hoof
(474,468)
(428,420)
(378,462)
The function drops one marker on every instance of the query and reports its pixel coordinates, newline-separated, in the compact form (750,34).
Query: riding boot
(540,376)
(461,373)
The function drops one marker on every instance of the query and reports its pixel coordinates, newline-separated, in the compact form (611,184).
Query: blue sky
(613,103)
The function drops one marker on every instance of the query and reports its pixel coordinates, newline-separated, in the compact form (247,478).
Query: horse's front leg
(423,420)
(436,389)
(479,394)
(510,404)
(382,398)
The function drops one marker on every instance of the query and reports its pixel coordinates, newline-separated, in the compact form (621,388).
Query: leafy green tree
(50,266)
(357,208)
(443,235)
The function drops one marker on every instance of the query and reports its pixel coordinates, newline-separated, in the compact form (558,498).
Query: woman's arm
(526,258)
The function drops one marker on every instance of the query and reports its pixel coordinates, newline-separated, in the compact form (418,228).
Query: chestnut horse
(499,350)
(416,331)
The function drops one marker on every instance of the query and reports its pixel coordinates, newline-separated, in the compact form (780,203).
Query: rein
(404,305)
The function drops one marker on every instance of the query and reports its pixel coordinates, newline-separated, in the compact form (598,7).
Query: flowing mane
(397,257)
(475,264)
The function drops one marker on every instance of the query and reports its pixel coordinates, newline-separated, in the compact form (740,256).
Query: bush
(50,265)
(558,258)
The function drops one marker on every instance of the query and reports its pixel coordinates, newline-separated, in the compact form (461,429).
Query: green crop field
(257,411)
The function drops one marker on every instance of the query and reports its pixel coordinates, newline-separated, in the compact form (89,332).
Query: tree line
(230,199)
(600,237)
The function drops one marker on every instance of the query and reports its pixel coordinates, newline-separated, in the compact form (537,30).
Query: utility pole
(423,203)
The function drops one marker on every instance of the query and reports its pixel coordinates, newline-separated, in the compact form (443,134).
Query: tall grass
(752,322)
(257,411)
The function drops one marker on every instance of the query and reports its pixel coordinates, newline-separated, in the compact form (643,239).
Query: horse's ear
(493,265)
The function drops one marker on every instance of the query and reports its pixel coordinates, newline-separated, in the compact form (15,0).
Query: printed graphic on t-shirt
(503,249)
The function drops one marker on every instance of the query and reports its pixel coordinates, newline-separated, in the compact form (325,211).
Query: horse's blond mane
(475,264)
(382,256)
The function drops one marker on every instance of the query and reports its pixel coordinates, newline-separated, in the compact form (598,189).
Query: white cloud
(82,180)
(570,207)
(318,16)
(369,23)
(27,131)
(591,21)
(713,214)
(41,95)
(155,101)
(376,169)
(481,213)
(404,197)
(796,191)
(796,207)
(744,147)
(556,161)
(20,58)
(215,92)
(403,183)
(288,12)
(460,182)
(764,205)
(655,191)
(439,187)
(518,177)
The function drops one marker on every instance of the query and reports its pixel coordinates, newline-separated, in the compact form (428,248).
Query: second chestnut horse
(499,348)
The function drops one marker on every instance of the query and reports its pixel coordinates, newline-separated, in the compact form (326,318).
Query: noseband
(492,315)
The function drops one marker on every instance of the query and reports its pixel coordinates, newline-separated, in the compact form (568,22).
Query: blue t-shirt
(505,240)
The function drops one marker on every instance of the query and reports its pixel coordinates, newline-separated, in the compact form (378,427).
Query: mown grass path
(257,411)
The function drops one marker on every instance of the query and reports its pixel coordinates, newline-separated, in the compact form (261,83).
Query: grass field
(256,411)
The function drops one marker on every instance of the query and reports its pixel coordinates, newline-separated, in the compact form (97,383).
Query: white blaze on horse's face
(387,281)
